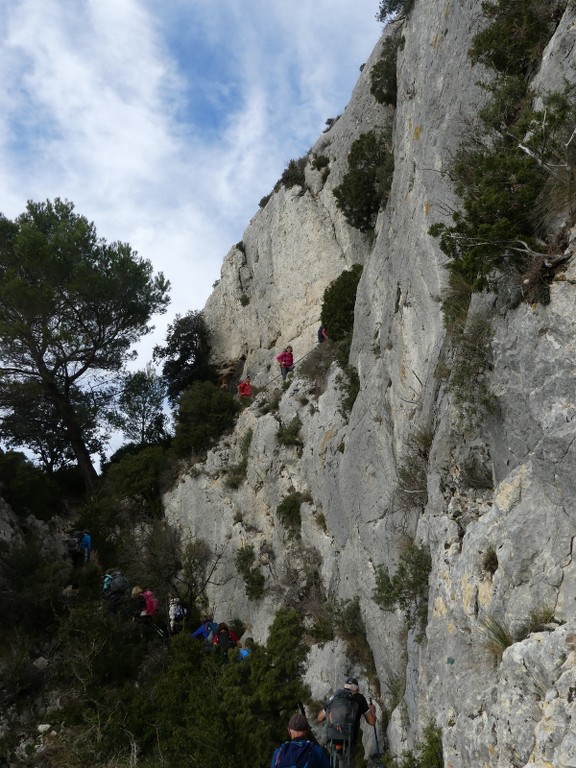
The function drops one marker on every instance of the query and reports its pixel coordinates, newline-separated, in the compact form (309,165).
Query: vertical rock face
(494,667)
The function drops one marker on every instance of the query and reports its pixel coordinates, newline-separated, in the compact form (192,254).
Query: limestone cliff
(494,507)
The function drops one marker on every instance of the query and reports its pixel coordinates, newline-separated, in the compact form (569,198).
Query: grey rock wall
(501,542)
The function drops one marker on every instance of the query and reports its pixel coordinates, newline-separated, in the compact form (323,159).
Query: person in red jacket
(245,388)
(224,639)
(286,360)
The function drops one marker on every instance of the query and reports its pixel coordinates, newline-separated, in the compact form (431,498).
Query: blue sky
(166,121)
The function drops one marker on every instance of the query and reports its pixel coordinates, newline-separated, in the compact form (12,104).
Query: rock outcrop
(495,665)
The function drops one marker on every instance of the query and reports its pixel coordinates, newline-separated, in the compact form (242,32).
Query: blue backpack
(294,754)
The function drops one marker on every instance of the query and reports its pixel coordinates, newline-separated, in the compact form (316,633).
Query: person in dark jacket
(286,360)
(362,708)
(299,750)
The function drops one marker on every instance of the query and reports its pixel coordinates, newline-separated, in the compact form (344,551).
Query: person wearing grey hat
(299,751)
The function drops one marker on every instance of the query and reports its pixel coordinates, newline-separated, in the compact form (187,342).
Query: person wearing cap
(299,750)
(368,711)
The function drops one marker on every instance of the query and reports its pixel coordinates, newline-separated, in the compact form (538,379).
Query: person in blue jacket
(206,630)
(86,546)
(299,750)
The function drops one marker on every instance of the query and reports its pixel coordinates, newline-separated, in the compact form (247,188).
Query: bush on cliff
(205,412)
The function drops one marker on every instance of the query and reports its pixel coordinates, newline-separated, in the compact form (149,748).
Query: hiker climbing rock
(245,388)
(75,551)
(246,649)
(299,751)
(115,589)
(223,640)
(176,615)
(206,630)
(342,713)
(145,605)
(86,546)
(286,360)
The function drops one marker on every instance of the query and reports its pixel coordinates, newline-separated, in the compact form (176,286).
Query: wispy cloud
(165,123)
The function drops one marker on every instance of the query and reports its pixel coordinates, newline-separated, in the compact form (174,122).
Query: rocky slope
(494,506)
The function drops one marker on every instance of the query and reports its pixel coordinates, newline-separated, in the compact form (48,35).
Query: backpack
(118,584)
(74,543)
(224,641)
(342,714)
(151,603)
(294,754)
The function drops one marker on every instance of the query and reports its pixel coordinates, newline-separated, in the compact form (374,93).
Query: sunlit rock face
(494,506)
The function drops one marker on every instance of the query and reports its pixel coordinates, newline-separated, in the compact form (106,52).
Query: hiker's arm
(321,715)
(370,715)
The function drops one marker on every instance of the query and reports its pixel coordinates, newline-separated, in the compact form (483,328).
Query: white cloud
(99,108)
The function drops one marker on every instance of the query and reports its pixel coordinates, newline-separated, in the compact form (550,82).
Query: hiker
(86,547)
(322,334)
(299,751)
(75,551)
(115,589)
(245,388)
(246,649)
(206,630)
(343,712)
(286,360)
(145,605)
(224,638)
(176,615)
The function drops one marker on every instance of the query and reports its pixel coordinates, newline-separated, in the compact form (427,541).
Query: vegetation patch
(428,753)
(288,511)
(516,173)
(351,628)
(337,313)
(366,185)
(205,412)
(388,8)
(253,578)
(289,434)
(383,83)
(407,589)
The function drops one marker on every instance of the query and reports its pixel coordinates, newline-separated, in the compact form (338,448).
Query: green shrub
(507,178)
(288,511)
(388,8)
(338,303)
(265,200)
(513,43)
(349,384)
(137,479)
(469,380)
(293,174)
(28,489)
(205,412)
(383,83)
(289,434)
(272,404)
(320,162)
(32,580)
(407,589)
(366,185)
(350,626)
(253,578)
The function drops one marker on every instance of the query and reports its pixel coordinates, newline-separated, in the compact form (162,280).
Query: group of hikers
(221,639)
(342,714)
(286,362)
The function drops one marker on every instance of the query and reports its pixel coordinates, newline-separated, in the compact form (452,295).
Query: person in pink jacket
(286,360)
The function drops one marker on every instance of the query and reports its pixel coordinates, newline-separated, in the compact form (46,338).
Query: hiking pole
(375,733)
